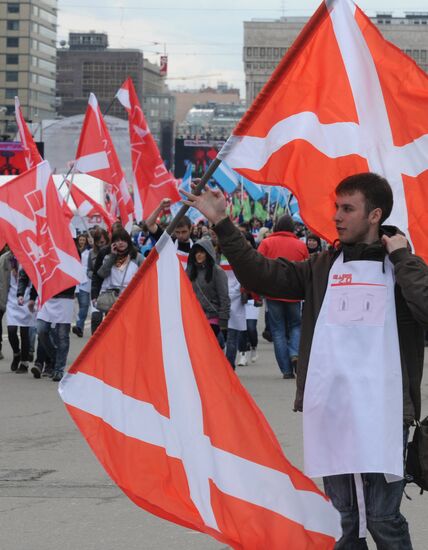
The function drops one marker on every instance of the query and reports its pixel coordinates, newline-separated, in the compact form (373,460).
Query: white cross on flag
(342,101)
(34,225)
(172,425)
(97,156)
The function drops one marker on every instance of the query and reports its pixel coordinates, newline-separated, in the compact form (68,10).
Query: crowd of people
(313,294)
(40,337)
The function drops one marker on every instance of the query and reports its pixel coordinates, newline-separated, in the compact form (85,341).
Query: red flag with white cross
(97,157)
(34,225)
(31,153)
(342,101)
(153,182)
(180,436)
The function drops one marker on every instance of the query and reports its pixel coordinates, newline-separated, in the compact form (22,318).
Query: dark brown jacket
(308,281)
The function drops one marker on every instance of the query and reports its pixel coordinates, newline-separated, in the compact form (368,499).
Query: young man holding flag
(361,352)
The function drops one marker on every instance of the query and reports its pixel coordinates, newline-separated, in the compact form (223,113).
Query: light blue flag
(255,191)
(278,194)
(193,214)
(187,178)
(227,178)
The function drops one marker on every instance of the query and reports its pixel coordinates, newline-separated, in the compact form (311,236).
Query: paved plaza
(54,495)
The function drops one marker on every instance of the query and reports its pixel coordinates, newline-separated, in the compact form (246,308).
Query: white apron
(353,402)
(57,310)
(16,315)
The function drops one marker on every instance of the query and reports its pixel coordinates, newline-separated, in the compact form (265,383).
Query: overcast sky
(200,38)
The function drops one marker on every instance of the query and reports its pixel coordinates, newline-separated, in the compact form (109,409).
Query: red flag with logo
(153,182)
(97,157)
(184,441)
(33,224)
(31,153)
(342,101)
(86,206)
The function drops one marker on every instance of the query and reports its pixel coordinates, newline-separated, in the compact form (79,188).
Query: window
(262,52)
(12,59)
(249,52)
(13,25)
(423,55)
(416,55)
(387,21)
(12,7)
(11,76)
(12,42)
(269,52)
(44,31)
(276,52)
(11,93)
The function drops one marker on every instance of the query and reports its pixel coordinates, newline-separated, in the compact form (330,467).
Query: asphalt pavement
(54,495)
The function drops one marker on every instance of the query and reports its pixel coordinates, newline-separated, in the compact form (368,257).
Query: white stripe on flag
(92,162)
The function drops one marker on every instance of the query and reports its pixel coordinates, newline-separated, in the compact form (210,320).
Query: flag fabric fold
(34,225)
(337,105)
(86,206)
(184,441)
(97,157)
(152,181)
(31,153)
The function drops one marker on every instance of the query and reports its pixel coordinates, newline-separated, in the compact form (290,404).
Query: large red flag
(33,223)
(342,101)
(97,156)
(180,436)
(152,182)
(87,206)
(31,153)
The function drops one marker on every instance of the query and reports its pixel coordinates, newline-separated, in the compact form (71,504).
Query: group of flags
(182,439)
(33,209)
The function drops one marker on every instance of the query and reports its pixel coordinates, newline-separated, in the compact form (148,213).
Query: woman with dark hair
(210,284)
(313,243)
(119,266)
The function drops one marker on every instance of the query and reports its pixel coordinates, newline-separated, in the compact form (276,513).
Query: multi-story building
(27,60)
(266,41)
(89,65)
(211,121)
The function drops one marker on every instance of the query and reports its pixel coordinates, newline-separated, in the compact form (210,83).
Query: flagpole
(197,191)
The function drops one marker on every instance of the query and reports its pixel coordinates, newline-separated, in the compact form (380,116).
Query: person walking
(361,352)
(284,315)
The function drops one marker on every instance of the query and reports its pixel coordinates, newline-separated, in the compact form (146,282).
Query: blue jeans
(386,524)
(232,345)
(284,321)
(83,299)
(56,343)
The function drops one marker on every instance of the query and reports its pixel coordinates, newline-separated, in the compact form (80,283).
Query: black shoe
(77,331)
(288,375)
(57,376)
(22,369)
(36,371)
(30,357)
(15,362)
(267,335)
(47,372)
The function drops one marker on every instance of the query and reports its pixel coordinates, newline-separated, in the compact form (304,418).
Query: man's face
(351,219)
(182,234)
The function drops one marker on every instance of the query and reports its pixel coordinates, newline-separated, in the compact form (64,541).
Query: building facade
(89,65)
(266,41)
(27,60)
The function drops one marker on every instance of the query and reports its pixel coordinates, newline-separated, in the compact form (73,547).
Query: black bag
(417,456)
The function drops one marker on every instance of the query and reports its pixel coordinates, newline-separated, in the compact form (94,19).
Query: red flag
(97,156)
(184,441)
(33,224)
(153,182)
(87,206)
(31,153)
(338,104)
